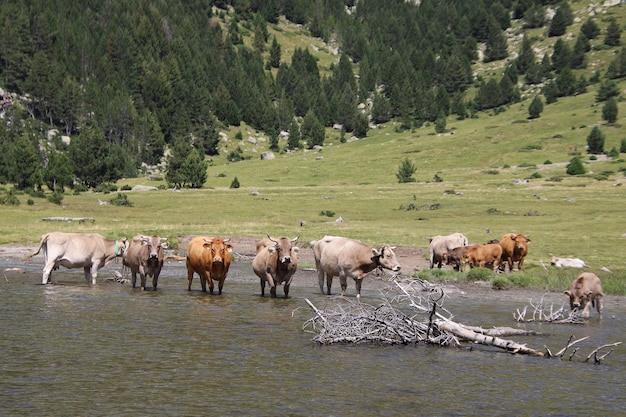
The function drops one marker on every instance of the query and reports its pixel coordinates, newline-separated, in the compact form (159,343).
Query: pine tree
(595,141)
(561,56)
(89,153)
(193,171)
(575,167)
(25,161)
(622,146)
(275,53)
(496,45)
(613,34)
(406,171)
(558,25)
(526,57)
(58,174)
(590,29)
(294,135)
(609,110)
(535,108)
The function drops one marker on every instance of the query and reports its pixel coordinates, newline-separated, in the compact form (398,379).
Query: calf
(482,255)
(145,256)
(455,256)
(442,244)
(586,291)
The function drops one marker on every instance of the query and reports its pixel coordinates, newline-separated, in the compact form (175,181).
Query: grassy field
(483,164)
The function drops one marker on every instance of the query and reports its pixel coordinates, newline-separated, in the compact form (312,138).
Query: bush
(56,198)
(406,171)
(575,167)
(10,199)
(327,213)
(105,188)
(235,183)
(126,187)
(501,283)
(121,200)
(30,202)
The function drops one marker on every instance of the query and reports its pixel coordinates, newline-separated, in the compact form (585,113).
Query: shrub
(235,183)
(613,152)
(406,171)
(327,213)
(575,167)
(535,175)
(56,198)
(105,188)
(126,187)
(10,199)
(501,283)
(30,202)
(547,162)
(121,200)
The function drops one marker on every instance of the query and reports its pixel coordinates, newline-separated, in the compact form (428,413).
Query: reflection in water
(77,349)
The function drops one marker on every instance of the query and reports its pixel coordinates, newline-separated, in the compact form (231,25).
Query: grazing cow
(442,244)
(210,258)
(514,249)
(145,256)
(482,255)
(568,262)
(343,257)
(89,251)
(455,256)
(275,263)
(586,291)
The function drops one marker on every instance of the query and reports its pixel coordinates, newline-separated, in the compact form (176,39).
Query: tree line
(128,80)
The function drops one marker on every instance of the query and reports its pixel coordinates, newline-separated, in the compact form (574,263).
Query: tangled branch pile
(542,313)
(425,322)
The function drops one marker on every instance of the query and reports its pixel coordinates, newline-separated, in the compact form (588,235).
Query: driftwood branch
(594,353)
(547,314)
(69,219)
(411,313)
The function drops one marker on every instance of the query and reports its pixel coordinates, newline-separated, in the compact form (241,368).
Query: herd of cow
(276,262)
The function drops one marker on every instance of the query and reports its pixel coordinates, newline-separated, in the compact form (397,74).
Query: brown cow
(586,291)
(514,249)
(487,254)
(210,258)
(343,257)
(145,256)
(275,263)
(89,251)
(455,256)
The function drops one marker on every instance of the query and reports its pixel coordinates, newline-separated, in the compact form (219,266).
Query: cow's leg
(272,284)
(262,287)
(519,264)
(189,277)
(286,288)
(510,261)
(155,280)
(598,301)
(134,279)
(357,284)
(203,280)
(329,283)
(320,279)
(94,274)
(143,281)
(344,284)
(220,285)
(47,270)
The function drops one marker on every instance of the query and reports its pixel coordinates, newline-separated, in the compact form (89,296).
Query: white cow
(568,262)
(444,244)
(89,251)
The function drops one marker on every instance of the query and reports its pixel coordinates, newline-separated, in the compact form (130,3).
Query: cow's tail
(44,240)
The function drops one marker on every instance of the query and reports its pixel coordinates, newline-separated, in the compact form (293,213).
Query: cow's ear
(229,248)
(567,294)
(271,249)
(295,249)
(375,252)
(164,245)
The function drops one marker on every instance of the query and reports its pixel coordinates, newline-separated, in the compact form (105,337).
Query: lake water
(107,350)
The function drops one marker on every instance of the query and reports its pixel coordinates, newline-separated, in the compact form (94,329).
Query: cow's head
(579,299)
(121,246)
(386,258)
(155,245)
(219,248)
(521,243)
(284,248)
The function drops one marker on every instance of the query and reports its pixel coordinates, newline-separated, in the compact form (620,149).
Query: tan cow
(514,249)
(483,255)
(444,244)
(343,257)
(275,262)
(586,291)
(210,258)
(145,256)
(89,251)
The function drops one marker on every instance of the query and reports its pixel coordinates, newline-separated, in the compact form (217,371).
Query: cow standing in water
(89,251)
(145,256)
(210,258)
(444,244)
(343,257)
(586,291)
(275,263)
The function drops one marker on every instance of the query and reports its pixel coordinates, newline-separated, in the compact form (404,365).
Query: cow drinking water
(343,257)
(586,291)
(89,251)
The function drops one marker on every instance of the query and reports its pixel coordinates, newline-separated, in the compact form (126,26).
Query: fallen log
(69,219)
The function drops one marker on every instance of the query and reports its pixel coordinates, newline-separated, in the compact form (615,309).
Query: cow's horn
(295,239)
(272,239)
